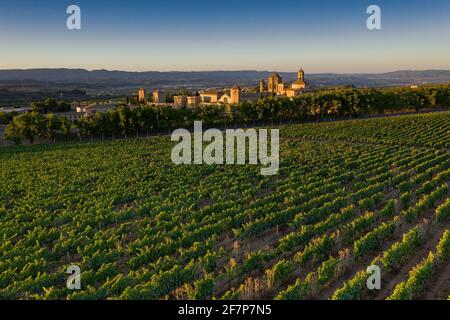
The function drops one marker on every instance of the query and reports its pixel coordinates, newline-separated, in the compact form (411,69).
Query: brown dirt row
(429,215)
(313,266)
(421,253)
(439,287)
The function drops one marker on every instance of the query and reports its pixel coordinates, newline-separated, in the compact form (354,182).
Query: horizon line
(218,70)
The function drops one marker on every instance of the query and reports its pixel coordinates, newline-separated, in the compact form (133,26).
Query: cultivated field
(348,195)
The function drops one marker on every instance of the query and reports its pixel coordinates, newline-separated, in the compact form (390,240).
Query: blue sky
(138,35)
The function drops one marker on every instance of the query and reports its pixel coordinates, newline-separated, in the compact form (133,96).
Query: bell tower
(235,95)
(273,82)
(301,75)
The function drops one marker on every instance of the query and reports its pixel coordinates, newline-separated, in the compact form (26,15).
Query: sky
(197,35)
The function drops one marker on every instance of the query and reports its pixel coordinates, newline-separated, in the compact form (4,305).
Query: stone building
(179,101)
(273,82)
(235,95)
(238,96)
(276,86)
(142,95)
(281,88)
(210,96)
(194,101)
(300,83)
(159,97)
(225,99)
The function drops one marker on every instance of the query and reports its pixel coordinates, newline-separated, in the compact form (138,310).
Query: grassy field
(348,195)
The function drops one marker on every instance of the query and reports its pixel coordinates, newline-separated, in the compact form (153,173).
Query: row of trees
(30,125)
(307,107)
(50,105)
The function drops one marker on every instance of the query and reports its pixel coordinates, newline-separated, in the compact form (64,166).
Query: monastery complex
(274,86)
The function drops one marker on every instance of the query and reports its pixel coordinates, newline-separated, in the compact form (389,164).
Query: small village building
(142,95)
(194,101)
(179,101)
(225,99)
(211,96)
(159,97)
(94,108)
(238,96)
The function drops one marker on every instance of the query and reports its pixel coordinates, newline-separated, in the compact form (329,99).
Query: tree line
(50,105)
(30,125)
(311,106)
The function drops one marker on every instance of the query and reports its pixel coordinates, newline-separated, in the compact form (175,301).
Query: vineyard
(348,195)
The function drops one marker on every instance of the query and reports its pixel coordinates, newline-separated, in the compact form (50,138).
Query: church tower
(142,95)
(274,80)
(301,75)
(300,83)
(235,95)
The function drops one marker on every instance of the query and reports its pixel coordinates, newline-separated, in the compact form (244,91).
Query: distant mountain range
(218,78)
